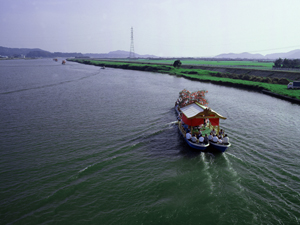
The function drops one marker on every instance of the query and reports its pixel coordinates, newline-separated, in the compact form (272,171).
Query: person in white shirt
(188,136)
(210,137)
(215,139)
(226,139)
(201,139)
(194,138)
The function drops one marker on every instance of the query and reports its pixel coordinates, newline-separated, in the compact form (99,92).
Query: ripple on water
(84,145)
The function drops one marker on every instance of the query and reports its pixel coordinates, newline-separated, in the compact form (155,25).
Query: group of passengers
(221,138)
(212,137)
(197,138)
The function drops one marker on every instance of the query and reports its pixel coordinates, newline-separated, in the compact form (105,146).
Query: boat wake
(173,123)
(49,85)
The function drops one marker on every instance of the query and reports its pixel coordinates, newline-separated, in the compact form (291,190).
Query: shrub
(246,77)
(233,76)
(192,72)
(258,79)
(283,81)
(240,76)
(87,62)
(267,80)
(163,68)
(275,80)
(216,74)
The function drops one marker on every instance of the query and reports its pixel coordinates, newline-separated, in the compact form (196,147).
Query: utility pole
(131,54)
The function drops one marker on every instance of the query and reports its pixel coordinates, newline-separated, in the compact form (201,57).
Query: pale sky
(166,28)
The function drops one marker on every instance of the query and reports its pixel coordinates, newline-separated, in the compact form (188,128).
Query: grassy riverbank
(238,64)
(270,85)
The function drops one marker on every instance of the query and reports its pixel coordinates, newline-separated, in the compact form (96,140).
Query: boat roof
(196,110)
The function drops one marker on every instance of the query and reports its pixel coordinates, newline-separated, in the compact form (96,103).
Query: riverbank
(260,69)
(275,89)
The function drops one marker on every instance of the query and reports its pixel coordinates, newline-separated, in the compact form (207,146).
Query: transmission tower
(131,54)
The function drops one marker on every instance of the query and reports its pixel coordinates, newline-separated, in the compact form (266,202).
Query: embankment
(288,74)
(207,74)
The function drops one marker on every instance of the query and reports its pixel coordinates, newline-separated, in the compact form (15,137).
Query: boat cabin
(195,114)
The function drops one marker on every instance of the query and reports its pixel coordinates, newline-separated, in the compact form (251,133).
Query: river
(84,145)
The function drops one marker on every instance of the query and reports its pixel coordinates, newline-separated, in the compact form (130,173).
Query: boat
(195,114)
(220,147)
(198,146)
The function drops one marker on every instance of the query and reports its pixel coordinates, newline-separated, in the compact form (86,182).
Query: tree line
(287,63)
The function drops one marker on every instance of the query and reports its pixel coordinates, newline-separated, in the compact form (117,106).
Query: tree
(295,63)
(286,63)
(177,63)
(278,62)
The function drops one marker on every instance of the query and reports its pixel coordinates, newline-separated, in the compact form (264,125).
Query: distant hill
(244,55)
(46,54)
(16,51)
(295,54)
(117,54)
(34,52)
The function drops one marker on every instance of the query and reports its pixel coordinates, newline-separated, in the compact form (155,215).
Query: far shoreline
(197,74)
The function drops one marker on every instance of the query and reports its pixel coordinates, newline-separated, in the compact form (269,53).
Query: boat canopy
(195,114)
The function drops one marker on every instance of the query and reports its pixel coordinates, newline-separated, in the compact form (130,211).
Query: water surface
(83,145)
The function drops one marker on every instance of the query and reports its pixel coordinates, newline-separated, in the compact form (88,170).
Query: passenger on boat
(220,137)
(201,139)
(188,136)
(214,132)
(221,132)
(215,139)
(186,127)
(199,134)
(226,140)
(210,137)
(194,138)
(205,139)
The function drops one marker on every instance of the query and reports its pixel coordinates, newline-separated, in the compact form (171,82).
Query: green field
(238,64)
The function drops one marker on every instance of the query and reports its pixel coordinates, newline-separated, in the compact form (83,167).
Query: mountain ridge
(36,52)
(294,54)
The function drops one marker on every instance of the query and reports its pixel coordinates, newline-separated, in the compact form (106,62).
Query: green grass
(242,64)
(275,88)
(199,74)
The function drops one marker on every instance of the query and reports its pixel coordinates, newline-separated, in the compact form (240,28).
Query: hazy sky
(161,27)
